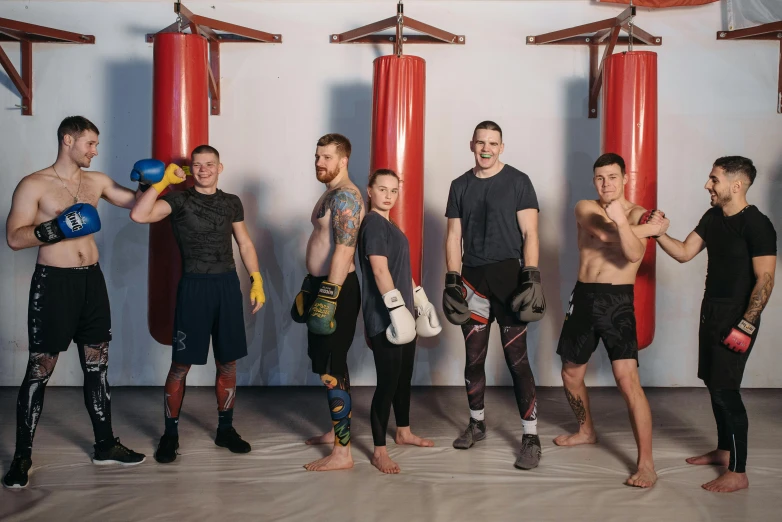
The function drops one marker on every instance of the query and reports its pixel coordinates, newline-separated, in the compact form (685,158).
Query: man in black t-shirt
(742,246)
(209,300)
(492,253)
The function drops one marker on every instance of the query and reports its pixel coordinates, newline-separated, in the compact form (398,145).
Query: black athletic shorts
(489,289)
(67,304)
(718,366)
(329,353)
(599,311)
(208,305)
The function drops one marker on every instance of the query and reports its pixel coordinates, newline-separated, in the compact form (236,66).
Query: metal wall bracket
(368,33)
(595,34)
(771,31)
(208,27)
(28,34)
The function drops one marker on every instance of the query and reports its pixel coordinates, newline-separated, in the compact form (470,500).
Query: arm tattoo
(578,407)
(759,297)
(345,206)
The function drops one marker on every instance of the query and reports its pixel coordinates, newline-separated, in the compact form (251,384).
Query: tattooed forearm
(345,205)
(759,298)
(578,407)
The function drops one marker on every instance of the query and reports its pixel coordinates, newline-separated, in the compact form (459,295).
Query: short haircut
(341,142)
(487,125)
(609,158)
(736,165)
(380,172)
(204,149)
(74,126)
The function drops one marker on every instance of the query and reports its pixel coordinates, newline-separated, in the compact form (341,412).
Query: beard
(721,199)
(326,176)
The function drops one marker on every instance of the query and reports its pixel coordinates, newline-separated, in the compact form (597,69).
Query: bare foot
(645,477)
(326,438)
(383,462)
(575,439)
(340,458)
(728,482)
(405,436)
(718,457)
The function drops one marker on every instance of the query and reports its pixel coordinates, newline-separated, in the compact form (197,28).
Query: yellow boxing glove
(257,297)
(170,178)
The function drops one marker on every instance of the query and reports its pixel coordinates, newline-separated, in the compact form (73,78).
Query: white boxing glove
(402,327)
(427,324)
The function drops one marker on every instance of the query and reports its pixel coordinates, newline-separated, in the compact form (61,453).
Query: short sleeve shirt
(487,209)
(203,229)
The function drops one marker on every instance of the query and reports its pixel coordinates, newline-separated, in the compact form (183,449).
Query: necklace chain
(76,197)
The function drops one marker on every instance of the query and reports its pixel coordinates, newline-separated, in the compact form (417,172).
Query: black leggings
(94,359)
(514,345)
(732,426)
(394,366)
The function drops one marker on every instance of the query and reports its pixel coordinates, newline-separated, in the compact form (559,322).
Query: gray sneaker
(476,430)
(530,452)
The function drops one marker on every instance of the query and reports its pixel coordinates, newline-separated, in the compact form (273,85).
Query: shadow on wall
(129,130)
(774,195)
(582,147)
(350,114)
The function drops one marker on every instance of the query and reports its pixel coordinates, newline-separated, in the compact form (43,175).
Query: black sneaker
(476,430)
(530,452)
(112,452)
(228,438)
(166,449)
(16,478)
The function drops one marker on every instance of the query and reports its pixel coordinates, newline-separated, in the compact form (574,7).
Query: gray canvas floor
(436,484)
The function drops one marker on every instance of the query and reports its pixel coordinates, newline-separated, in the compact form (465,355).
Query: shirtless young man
(54,209)
(330,298)
(601,307)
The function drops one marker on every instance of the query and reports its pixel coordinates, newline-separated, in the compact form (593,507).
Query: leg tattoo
(577,405)
(339,406)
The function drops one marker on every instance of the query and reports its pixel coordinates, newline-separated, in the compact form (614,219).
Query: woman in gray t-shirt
(388,300)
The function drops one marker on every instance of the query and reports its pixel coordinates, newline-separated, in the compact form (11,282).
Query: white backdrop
(715,98)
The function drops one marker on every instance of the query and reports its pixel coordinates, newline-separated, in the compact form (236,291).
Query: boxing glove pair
(527,300)
(404,327)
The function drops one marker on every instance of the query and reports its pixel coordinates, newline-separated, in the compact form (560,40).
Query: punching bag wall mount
(593,35)
(206,27)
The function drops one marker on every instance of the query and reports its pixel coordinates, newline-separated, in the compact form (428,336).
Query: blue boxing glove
(79,220)
(148,172)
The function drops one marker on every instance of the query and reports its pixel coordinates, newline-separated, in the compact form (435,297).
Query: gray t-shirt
(487,208)
(379,237)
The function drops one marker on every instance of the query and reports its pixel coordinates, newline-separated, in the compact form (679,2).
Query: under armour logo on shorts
(179,340)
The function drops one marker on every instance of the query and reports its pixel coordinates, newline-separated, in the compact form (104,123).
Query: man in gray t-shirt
(492,214)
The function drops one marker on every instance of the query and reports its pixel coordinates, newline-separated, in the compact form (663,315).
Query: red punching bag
(629,128)
(399,88)
(180,122)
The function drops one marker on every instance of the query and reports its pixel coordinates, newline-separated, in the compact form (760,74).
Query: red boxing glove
(740,336)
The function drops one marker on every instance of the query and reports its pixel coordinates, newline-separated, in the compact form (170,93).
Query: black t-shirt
(731,243)
(379,237)
(487,208)
(202,225)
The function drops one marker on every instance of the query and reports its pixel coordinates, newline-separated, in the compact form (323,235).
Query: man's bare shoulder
(587,205)
(37,180)
(634,214)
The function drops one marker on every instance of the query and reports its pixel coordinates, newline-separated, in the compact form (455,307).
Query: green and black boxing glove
(321,320)
(304,299)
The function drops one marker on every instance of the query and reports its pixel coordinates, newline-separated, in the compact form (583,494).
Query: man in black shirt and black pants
(742,246)
(491,254)
(209,300)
